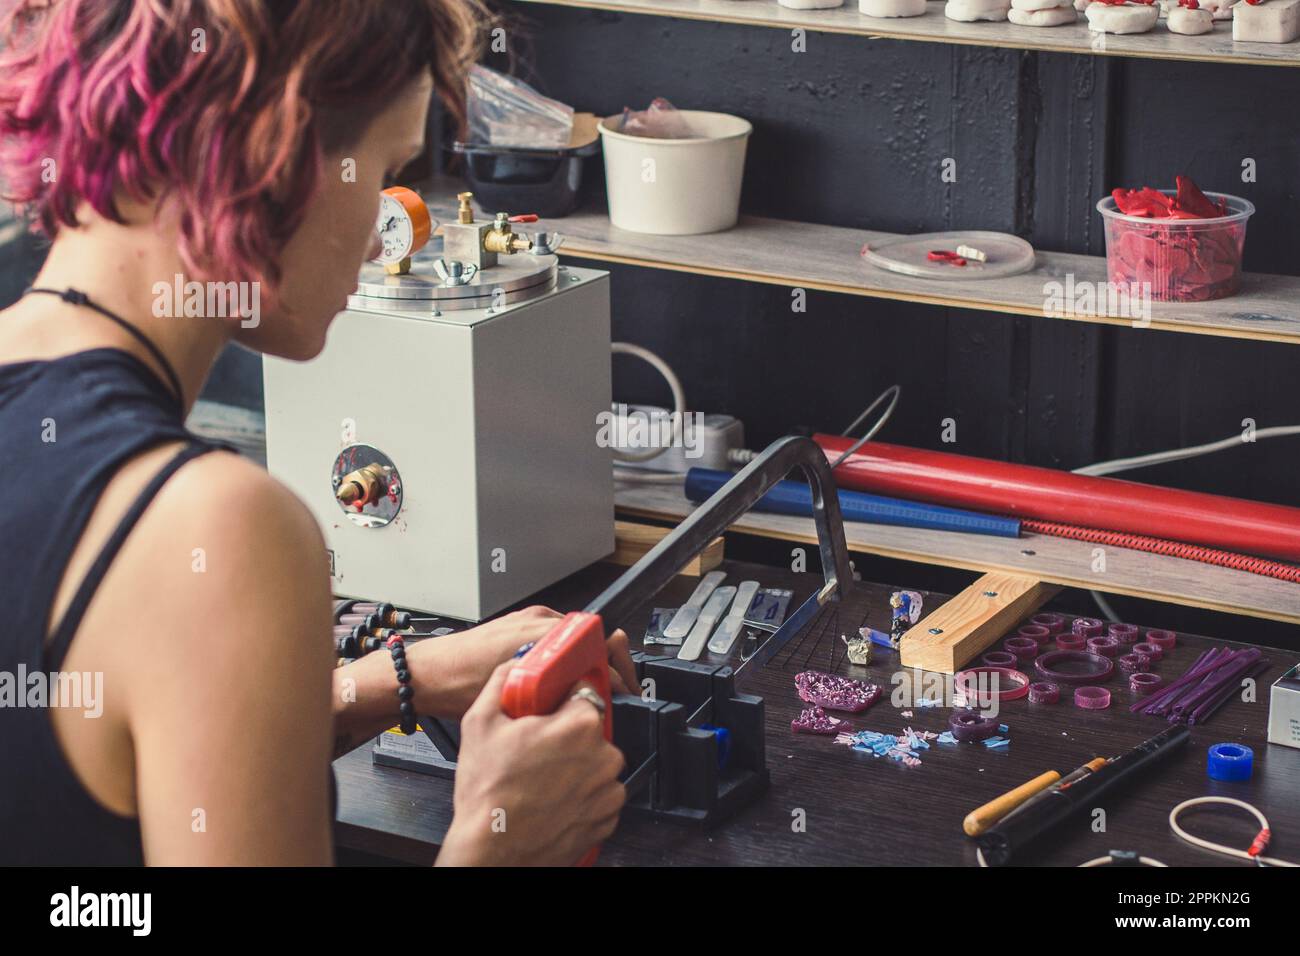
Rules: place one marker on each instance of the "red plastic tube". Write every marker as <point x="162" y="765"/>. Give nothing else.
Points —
<point x="1025" y="491"/>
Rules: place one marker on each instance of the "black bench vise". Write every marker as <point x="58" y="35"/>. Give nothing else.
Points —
<point x="690" y="774"/>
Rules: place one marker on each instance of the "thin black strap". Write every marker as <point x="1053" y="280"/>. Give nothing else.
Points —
<point x="57" y="648"/>
<point x="77" y="297"/>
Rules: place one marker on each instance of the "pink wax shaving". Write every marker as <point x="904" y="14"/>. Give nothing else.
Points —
<point x="814" y="720"/>
<point x="836" y="693"/>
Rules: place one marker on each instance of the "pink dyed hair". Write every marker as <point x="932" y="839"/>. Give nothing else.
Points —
<point x="118" y="96"/>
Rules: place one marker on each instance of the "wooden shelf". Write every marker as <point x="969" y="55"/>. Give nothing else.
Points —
<point x="809" y="256"/>
<point x="1052" y="560"/>
<point x="934" y="27"/>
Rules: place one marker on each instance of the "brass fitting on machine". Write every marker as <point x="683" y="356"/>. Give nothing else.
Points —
<point x="362" y="486"/>
<point x="502" y="240"/>
<point x="479" y="243"/>
<point x="464" y="214"/>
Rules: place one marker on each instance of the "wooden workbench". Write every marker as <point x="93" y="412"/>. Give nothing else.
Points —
<point x="873" y="811"/>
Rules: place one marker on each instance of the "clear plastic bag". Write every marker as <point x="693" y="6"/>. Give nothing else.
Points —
<point x="505" y="111"/>
<point x="660" y="120"/>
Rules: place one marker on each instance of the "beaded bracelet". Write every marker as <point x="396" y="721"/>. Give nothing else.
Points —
<point x="405" y="693"/>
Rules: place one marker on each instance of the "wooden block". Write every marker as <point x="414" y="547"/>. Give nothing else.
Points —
<point x="948" y="638"/>
<point x="632" y="541"/>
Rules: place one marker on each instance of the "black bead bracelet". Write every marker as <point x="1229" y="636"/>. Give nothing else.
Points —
<point x="405" y="692"/>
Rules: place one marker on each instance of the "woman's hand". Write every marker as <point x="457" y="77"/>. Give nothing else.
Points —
<point x="467" y="659"/>
<point x="533" y="791"/>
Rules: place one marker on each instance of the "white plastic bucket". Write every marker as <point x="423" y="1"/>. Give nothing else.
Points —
<point x="677" y="187"/>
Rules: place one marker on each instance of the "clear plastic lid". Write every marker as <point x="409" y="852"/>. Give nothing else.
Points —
<point x="1006" y="255"/>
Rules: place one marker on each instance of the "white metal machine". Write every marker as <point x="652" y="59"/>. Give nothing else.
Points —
<point x="446" y="437"/>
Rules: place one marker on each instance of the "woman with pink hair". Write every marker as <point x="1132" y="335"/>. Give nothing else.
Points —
<point x="227" y="141"/>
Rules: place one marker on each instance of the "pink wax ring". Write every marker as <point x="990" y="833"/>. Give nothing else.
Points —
<point x="1035" y="631"/>
<point x="1070" y="642"/>
<point x="1143" y="684"/>
<point x="967" y="689"/>
<point x="1055" y="623"/>
<point x="1000" y="659"/>
<point x="1152" y="651"/>
<point x="1044" y="692"/>
<point x="814" y="720"/>
<point x="1103" y="645"/>
<point x="968" y="726"/>
<point x="1133" y="663"/>
<point x="1087" y="626"/>
<point x="1092" y="698"/>
<point x="1025" y="648"/>
<point x="1124" y="633"/>
<point x="1098" y="668"/>
<point x="835" y="693"/>
<point x="1165" y="640"/>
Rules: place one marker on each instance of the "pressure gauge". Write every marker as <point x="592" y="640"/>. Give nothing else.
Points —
<point x="404" y="224"/>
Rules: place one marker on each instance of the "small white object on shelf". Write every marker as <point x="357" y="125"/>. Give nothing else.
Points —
<point x="969" y="11"/>
<point x="891" y="8"/>
<point x="810" y="4"/>
<point x="1043" y="16"/>
<point x="1273" y="21"/>
<point x="1126" y="18"/>
<point x="1190" y="22"/>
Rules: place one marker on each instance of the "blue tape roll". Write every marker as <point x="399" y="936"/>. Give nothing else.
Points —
<point x="795" y="498"/>
<point x="1230" y="762"/>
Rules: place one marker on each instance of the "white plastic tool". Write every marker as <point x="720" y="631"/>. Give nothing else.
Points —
<point x="713" y="610"/>
<point x="729" y="629"/>
<point x="685" y="617"/>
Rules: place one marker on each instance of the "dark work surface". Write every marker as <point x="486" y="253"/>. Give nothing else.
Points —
<point x="872" y="811"/>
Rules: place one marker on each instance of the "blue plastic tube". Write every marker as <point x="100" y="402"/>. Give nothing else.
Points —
<point x="795" y="498"/>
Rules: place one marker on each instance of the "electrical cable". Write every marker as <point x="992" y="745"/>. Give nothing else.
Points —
<point x="679" y="400"/>
<point x="743" y="456"/>
<point x="1180" y="454"/>
<point x="1255" y="854"/>
<point x="1108" y="861"/>
<point x="649" y="477"/>
<point x="895" y="391"/>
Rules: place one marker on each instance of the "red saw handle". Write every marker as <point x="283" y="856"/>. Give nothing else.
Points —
<point x="572" y="651"/>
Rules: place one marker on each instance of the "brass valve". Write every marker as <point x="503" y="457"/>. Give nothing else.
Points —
<point x="464" y="214"/>
<point x="478" y="244"/>
<point x="362" y="486"/>
<point x="502" y="240"/>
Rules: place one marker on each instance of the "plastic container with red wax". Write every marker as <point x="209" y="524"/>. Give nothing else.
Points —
<point x="1183" y="245"/>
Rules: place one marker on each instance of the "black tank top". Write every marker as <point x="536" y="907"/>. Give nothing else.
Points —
<point x="68" y="425"/>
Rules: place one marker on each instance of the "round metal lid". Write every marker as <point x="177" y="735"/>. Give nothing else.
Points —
<point x="513" y="279"/>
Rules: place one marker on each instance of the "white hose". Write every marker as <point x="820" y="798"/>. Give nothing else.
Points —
<point x="1219" y="847"/>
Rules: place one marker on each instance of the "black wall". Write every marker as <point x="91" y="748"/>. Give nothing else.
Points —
<point x="854" y="132"/>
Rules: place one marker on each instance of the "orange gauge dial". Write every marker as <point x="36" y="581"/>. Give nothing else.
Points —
<point x="404" y="224"/>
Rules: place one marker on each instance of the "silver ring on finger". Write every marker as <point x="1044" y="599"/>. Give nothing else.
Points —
<point x="591" y="697"/>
